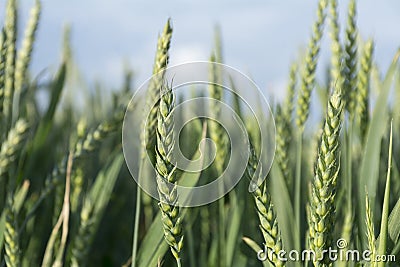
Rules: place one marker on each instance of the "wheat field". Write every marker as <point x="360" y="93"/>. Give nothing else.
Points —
<point x="67" y="197"/>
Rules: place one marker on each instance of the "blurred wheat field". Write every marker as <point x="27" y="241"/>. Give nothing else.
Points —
<point x="67" y="197"/>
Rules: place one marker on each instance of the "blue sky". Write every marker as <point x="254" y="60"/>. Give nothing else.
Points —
<point x="260" y="38"/>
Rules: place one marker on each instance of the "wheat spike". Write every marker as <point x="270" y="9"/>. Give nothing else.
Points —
<point x="25" y="52"/>
<point x="322" y="202"/>
<point x="12" y="255"/>
<point x="10" y="28"/>
<point x="166" y="172"/>
<point x="266" y="213"/>
<point x="362" y="96"/>
<point x="308" y="74"/>
<point x="350" y="60"/>
<point x="149" y="136"/>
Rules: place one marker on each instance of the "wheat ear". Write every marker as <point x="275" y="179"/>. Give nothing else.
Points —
<point x="336" y="46"/>
<point x="308" y="74"/>
<point x="350" y="60"/>
<point x="362" y="95"/>
<point x="266" y="214"/>
<point x="12" y="255"/>
<point x="10" y="28"/>
<point x="160" y="64"/>
<point x="322" y="202"/>
<point x="166" y="173"/>
<point x="24" y="54"/>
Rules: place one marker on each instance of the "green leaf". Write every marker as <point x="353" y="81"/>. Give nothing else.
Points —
<point x="282" y="203"/>
<point x="394" y="226"/>
<point x="385" y="209"/>
<point x="255" y="247"/>
<point x="103" y="186"/>
<point x="233" y="226"/>
<point x="47" y="121"/>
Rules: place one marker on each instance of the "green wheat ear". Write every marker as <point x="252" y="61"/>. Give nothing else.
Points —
<point x="370" y="230"/>
<point x="217" y="133"/>
<point x="284" y="127"/>
<point x="3" y="52"/>
<point x="336" y="46"/>
<point x="149" y="136"/>
<point x="350" y="60"/>
<point x="266" y="213"/>
<point x="283" y="138"/>
<point x="24" y="54"/>
<point x="362" y="91"/>
<point x="166" y="173"/>
<point x="12" y="145"/>
<point x="12" y="255"/>
<point x="10" y="29"/>
<point x="308" y="74"/>
<point x="323" y="192"/>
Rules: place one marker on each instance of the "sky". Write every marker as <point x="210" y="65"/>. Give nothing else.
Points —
<point x="260" y="38"/>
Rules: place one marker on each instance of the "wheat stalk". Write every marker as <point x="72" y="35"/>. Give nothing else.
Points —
<point x="283" y="138"/>
<point x="166" y="173"/>
<point x="336" y="46"/>
<point x="308" y="74"/>
<point x="12" y="145"/>
<point x="350" y="60"/>
<point x="12" y="255"/>
<point x="266" y="213"/>
<point x="160" y="64"/>
<point x="3" y="53"/>
<point x="25" y="52"/>
<point x="362" y="94"/>
<point x="322" y="202"/>
<point x="10" y="28"/>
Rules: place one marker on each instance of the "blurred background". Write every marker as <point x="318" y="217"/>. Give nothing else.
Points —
<point x="260" y="38"/>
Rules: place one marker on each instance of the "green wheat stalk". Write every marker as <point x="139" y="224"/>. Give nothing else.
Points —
<point x="362" y="91"/>
<point x="303" y="105"/>
<point x="12" y="146"/>
<point x="322" y="202"/>
<point x="336" y="46"/>
<point x="283" y="138"/>
<point x="10" y="28"/>
<point x="216" y="132"/>
<point x="166" y="173"/>
<point x="218" y="136"/>
<point x="25" y="52"/>
<point x="311" y="60"/>
<point x="160" y="64"/>
<point x="11" y="237"/>
<point x="350" y="59"/>
<point x="3" y="53"/>
<point x="266" y="213"/>
<point x="284" y="128"/>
